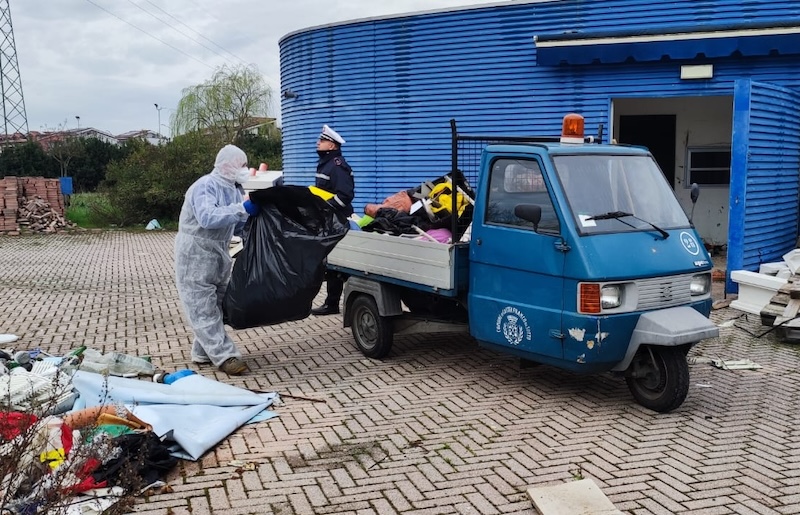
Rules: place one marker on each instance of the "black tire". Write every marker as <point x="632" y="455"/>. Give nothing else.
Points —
<point x="372" y="332"/>
<point x="659" y="378"/>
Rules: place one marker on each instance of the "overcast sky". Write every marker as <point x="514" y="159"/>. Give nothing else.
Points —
<point x="110" y="61"/>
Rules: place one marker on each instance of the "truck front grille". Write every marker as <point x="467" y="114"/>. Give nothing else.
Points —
<point x="663" y="292"/>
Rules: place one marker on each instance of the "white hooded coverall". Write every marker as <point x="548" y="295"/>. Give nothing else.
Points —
<point x="212" y="210"/>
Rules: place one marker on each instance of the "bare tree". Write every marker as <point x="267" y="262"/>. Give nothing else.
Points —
<point x="63" y="146"/>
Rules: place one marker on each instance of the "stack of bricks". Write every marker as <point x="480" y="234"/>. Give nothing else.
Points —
<point x="14" y="190"/>
<point x="9" y="203"/>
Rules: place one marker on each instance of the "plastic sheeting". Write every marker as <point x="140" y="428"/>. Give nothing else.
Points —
<point x="281" y="267"/>
<point x="195" y="412"/>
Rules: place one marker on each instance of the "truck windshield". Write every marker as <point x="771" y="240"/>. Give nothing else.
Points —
<point x="596" y="185"/>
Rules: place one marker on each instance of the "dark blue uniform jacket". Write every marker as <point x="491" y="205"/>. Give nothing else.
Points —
<point x="335" y="176"/>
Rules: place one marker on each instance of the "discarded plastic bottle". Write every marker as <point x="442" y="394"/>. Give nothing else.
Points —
<point x="174" y="376"/>
<point x="78" y="352"/>
<point x="115" y="363"/>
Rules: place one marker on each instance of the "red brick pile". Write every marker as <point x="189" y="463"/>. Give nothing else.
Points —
<point x="27" y="192"/>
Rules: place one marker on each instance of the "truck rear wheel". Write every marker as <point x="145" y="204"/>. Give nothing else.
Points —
<point x="372" y="332"/>
<point x="658" y="378"/>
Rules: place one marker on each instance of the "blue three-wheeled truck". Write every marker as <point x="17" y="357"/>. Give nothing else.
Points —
<point x="578" y="256"/>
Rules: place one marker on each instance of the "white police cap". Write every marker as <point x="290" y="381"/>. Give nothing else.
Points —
<point x="331" y="135"/>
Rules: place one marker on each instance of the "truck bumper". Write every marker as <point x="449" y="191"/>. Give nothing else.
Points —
<point x="669" y="328"/>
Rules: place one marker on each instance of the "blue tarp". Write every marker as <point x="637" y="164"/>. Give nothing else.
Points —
<point x="195" y="412"/>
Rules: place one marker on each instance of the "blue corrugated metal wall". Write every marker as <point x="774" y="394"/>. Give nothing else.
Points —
<point x="390" y="86"/>
<point x="764" y="182"/>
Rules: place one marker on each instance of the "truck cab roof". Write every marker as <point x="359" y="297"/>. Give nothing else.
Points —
<point x="555" y="148"/>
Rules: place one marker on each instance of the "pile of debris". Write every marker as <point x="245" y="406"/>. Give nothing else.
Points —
<point x="782" y="311"/>
<point x="32" y="203"/>
<point x="37" y="215"/>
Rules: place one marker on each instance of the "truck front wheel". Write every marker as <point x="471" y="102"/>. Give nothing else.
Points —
<point x="372" y="332"/>
<point x="658" y="377"/>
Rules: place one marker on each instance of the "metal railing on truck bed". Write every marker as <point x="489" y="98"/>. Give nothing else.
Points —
<point x="466" y="163"/>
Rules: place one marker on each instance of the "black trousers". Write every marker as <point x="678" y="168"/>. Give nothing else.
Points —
<point x="335" y="285"/>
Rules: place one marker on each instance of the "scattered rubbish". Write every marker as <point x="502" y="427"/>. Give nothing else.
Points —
<point x="792" y="259"/>
<point x="96" y="501"/>
<point x="742" y="364"/>
<point x="115" y="364"/>
<point x="153" y="225"/>
<point x="703" y="385"/>
<point x="156" y="487"/>
<point x="8" y="338"/>
<point x="727" y="323"/>
<point x="243" y="465"/>
<point x="724" y="303"/>
<point x="581" y="496"/>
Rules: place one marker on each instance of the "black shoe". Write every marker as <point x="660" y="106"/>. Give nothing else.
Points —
<point x="325" y="310"/>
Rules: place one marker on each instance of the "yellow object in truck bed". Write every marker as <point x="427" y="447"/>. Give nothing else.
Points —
<point x="324" y="195"/>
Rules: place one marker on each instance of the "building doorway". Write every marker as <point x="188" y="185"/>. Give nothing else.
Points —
<point x="657" y="133"/>
<point x="690" y="138"/>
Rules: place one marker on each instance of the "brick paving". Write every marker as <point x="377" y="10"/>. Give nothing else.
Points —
<point x="439" y="427"/>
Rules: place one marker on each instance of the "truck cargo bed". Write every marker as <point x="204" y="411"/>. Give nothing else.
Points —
<point x="409" y="262"/>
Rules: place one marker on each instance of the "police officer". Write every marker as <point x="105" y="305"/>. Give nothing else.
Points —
<point x="335" y="176"/>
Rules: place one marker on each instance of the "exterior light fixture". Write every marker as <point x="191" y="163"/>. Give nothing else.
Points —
<point x="697" y="71"/>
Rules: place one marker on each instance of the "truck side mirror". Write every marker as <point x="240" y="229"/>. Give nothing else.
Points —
<point x="694" y="195"/>
<point x="529" y="212"/>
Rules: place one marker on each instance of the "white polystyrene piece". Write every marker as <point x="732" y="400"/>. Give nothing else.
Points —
<point x="792" y="258"/>
<point x="755" y="290"/>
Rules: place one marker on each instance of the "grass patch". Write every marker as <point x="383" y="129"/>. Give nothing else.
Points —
<point x="79" y="209"/>
<point x="92" y="211"/>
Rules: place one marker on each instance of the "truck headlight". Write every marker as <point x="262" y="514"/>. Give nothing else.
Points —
<point x="700" y="285"/>
<point x="611" y="296"/>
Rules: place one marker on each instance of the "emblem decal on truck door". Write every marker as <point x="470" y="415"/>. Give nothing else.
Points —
<point x="514" y="325"/>
<point x="690" y="244"/>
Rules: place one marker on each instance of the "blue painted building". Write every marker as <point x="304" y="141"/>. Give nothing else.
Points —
<point x="712" y="87"/>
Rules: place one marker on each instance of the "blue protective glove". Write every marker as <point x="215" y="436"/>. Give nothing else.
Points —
<point x="251" y="208"/>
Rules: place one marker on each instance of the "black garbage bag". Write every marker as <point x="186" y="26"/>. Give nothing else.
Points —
<point x="282" y="263"/>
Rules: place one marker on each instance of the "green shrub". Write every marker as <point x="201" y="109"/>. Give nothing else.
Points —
<point x="261" y="150"/>
<point x="152" y="180"/>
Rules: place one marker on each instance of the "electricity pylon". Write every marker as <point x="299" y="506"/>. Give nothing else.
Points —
<point x="14" y="117"/>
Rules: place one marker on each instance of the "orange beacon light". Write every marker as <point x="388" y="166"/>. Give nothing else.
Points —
<point x="572" y="129"/>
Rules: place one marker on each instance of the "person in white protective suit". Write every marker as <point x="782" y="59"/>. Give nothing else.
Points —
<point x="213" y="209"/>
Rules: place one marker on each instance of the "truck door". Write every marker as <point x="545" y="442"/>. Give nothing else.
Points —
<point x="516" y="269"/>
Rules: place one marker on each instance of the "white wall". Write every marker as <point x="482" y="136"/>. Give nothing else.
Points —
<point x="699" y="121"/>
